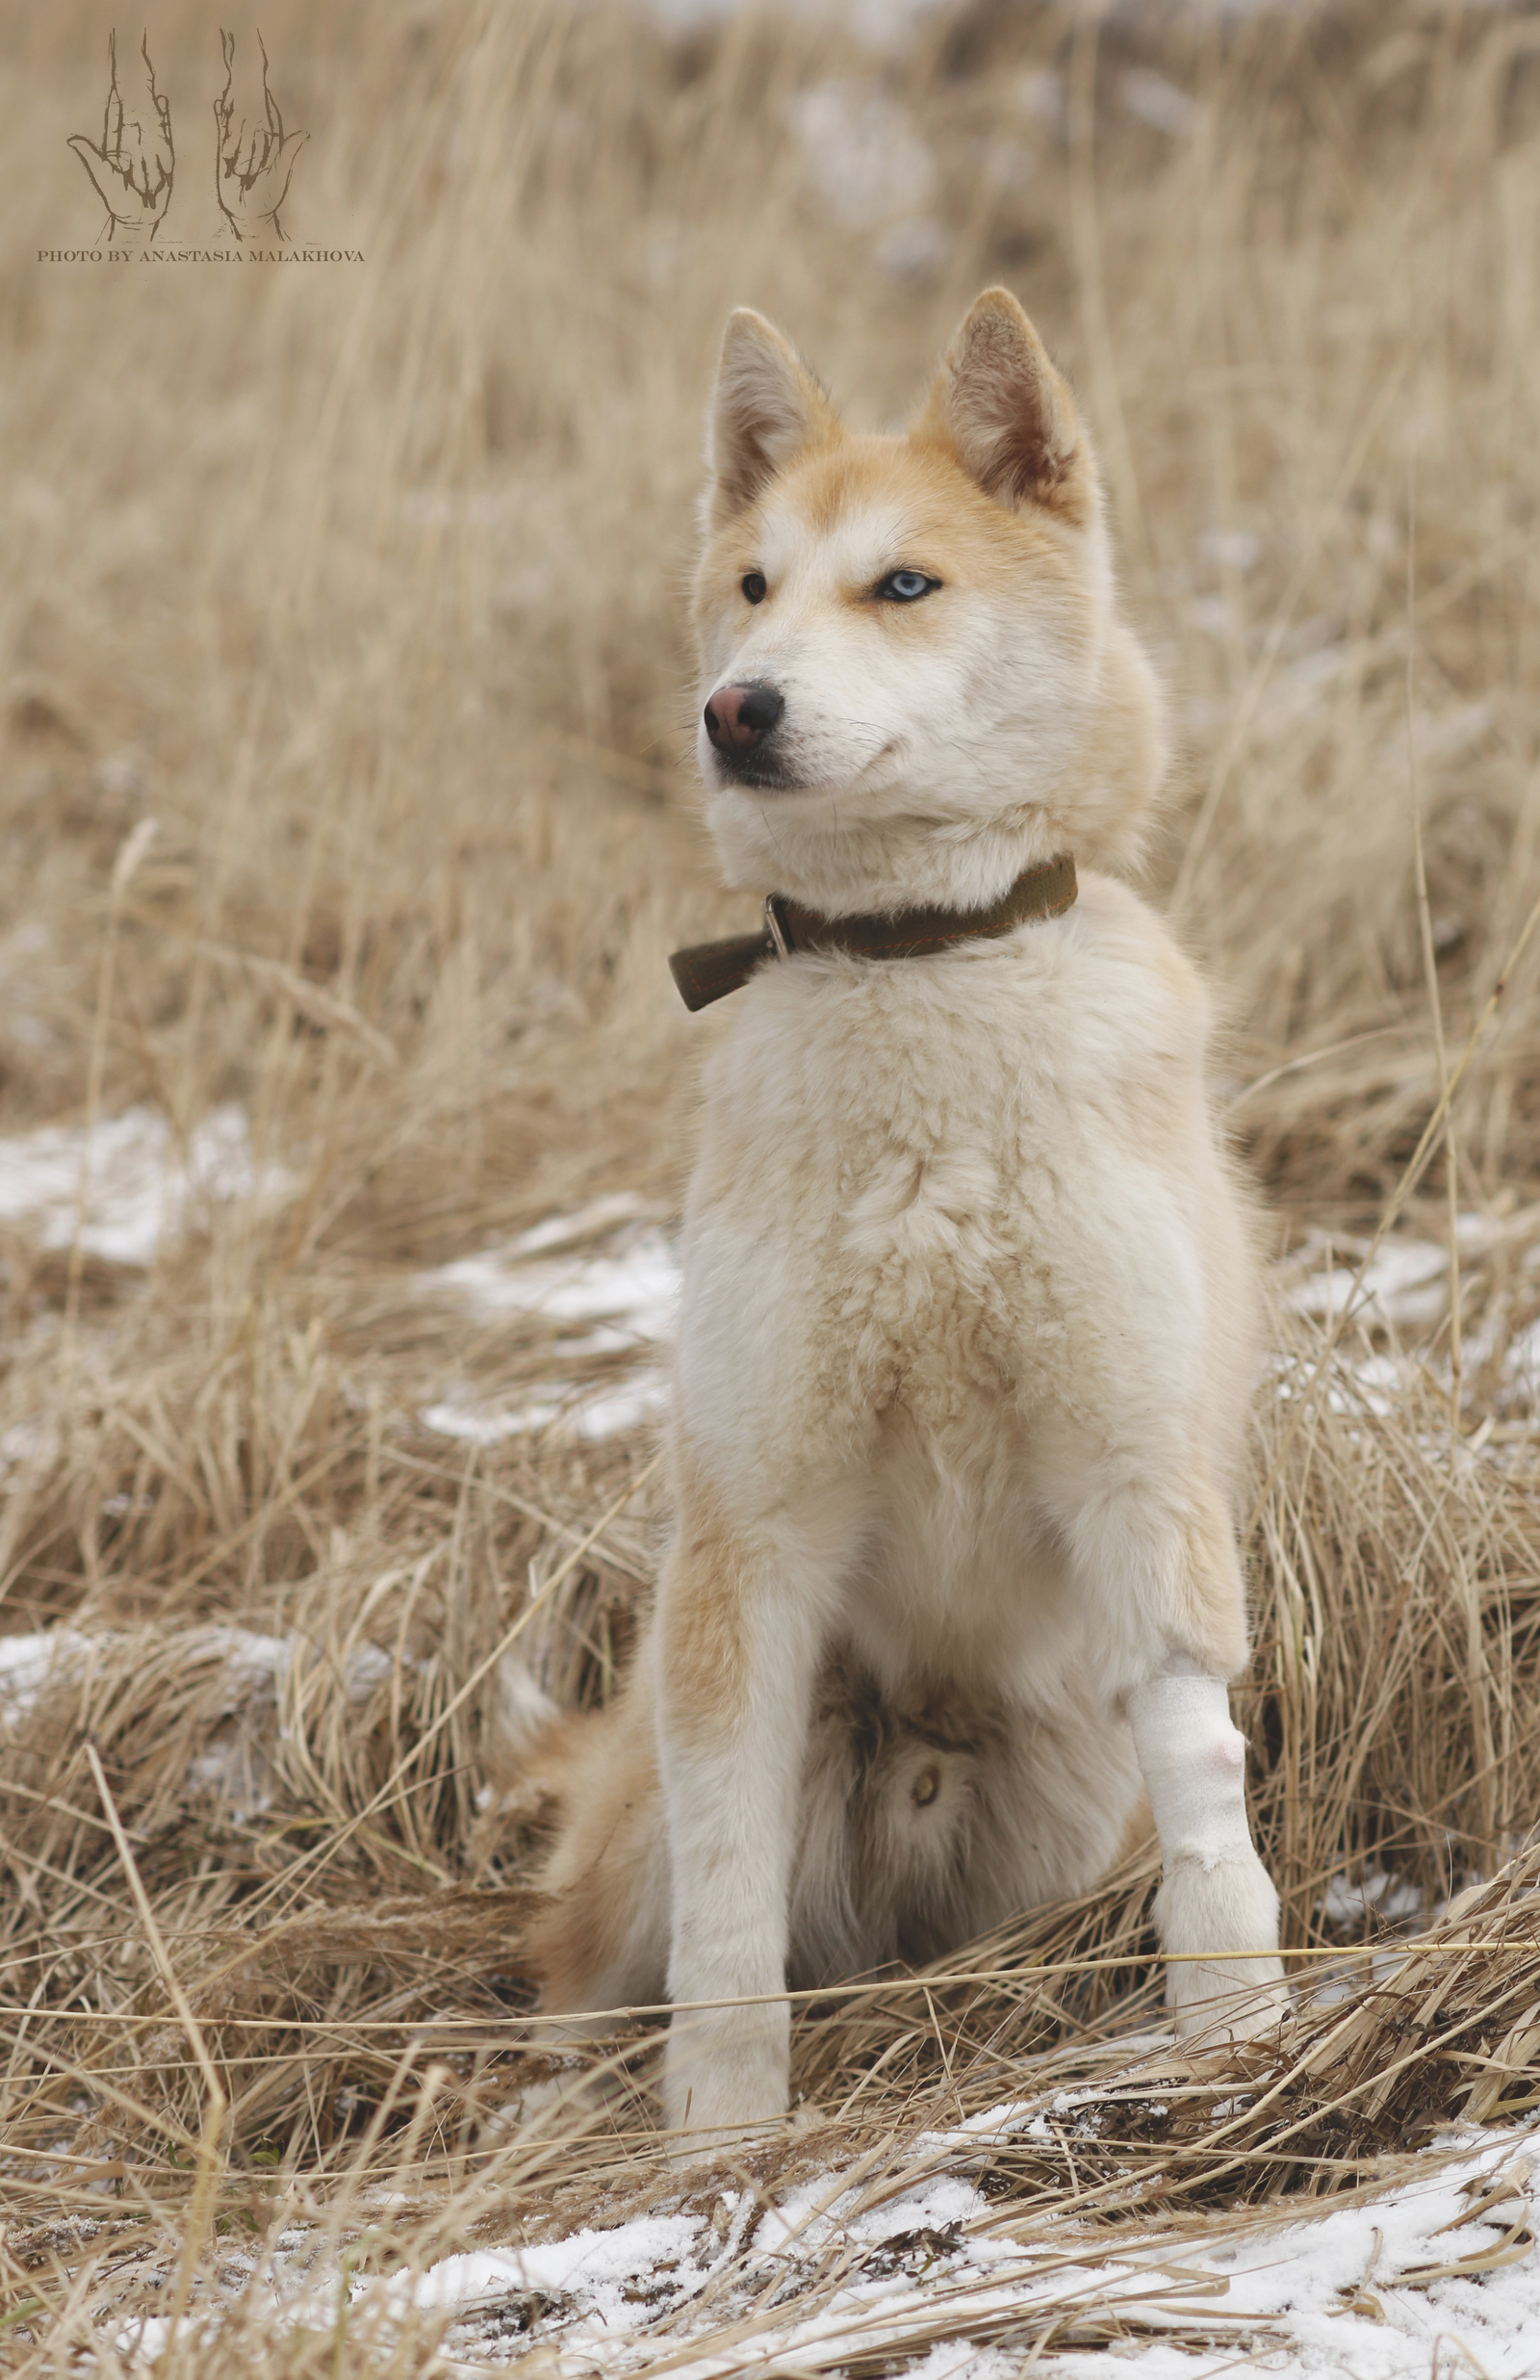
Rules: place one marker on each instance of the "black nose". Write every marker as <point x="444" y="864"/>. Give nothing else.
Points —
<point x="737" y="717"/>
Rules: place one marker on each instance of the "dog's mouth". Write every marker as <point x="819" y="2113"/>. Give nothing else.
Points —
<point x="765" y="770"/>
<point x="762" y="772"/>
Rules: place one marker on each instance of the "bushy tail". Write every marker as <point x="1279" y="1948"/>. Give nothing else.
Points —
<point x="519" y="1713"/>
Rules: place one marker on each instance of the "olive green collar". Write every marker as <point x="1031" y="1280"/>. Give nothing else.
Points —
<point x="710" y="971"/>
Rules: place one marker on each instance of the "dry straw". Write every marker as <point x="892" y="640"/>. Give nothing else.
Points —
<point x="364" y="583"/>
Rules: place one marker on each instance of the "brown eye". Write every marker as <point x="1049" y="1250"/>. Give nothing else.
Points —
<point x="925" y="1788"/>
<point x="754" y="586"/>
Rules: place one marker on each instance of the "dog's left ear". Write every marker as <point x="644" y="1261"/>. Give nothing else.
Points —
<point x="1008" y="416"/>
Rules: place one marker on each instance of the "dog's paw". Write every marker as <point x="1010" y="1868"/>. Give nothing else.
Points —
<point x="726" y="2074"/>
<point x="1219" y="1927"/>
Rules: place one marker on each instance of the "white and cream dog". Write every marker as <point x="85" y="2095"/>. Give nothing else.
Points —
<point x="968" y="1320"/>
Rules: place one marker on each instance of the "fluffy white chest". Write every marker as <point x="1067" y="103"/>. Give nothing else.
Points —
<point x="939" y="1200"/>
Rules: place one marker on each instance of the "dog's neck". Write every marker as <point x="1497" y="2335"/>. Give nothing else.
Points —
<point x="842" y="866"/>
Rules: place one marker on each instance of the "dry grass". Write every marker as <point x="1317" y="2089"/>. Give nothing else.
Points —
<point x="364" y="583"/>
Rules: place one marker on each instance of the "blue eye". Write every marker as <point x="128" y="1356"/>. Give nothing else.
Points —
<point x="905" y="587"/>
<point x="754" y="586"/>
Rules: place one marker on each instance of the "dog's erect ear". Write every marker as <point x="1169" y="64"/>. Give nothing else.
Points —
<point x="765" y="408"/>
<point x="999" y="402"/>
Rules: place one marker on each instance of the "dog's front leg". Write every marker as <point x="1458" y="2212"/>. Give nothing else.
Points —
<point x="1216" y="1897"/>
<point x="741" y="1613"/>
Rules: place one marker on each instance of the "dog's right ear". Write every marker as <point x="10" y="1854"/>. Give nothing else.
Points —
<point x="766" y="408"/>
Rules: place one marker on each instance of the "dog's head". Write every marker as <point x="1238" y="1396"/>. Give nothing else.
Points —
<point x="915" y="680"/>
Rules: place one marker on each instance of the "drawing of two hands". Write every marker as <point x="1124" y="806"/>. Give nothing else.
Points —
<point x="133" y="168"/>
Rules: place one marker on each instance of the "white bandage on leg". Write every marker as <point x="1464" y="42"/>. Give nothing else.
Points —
<point x="1194" y="1763"/>
<point x="1216" y="1911"/>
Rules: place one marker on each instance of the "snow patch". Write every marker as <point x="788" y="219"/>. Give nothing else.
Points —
<point x="252" y="1664"/>
<point x="926" y="2276"/>
<point x="140" y="1186"/>
<point x="630" y="1295"/>
<point x="590" y="2268"/>
<point x="1406" y="1283"/>
<point x="1391" y="1900"/>
<point x="27" y="1666"/>
<point x="642" y="1397"/>
<point x="626" y="1291"/>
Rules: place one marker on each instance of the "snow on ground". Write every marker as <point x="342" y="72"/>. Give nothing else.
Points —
<point x="923" y="2266"/>
<point x="1405" y="1294"/>
<point x="27" y="1666"/>
<point x="233" y="1763"/>
<point x="1374" y="2288"/>
<point x="1388" y="1900"/>
<point x="1365" y="2288"/>
<point x="252" y="1664"/>
<point x="587" y="1414"/>
<point x="1406" y="1282"/>
<point x="625" y="1288"/>
<point x="130" y="1185"/>
<point x="606" y="1274"/>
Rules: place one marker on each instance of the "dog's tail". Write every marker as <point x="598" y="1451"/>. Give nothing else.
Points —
<point x="519" y="1717"/>
<point x="521" y="1710"/>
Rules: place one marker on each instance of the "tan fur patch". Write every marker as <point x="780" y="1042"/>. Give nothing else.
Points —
<point x="700" y="1618"/>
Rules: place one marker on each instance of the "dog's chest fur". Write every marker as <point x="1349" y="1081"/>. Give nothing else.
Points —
<point x="856" y="1217"/>
<point x="931" y="1196"/>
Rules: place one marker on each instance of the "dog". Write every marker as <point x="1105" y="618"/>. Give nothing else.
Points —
<point x="969" y="1321"/>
